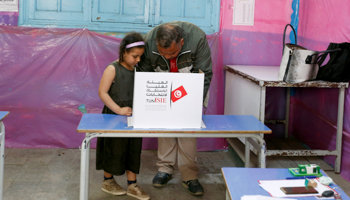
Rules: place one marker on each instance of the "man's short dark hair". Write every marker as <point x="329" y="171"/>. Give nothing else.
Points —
<point x="167" y="34"/>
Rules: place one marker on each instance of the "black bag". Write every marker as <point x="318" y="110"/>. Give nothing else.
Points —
<point x="338" y="67"/>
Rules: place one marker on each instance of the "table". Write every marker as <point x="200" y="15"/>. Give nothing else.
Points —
<point x="217" y="126"/>
<point x="3" y="114"/>
<point x="245" y="93"/>
<point x="244" y="181"/>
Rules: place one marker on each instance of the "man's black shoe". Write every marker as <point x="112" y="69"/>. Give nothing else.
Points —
<point x="194" y="187"/>
<point x="161" y="179"/>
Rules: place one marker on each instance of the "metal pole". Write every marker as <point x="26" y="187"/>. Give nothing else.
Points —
<point x="247" y="153"/>
<point x="2" y="162"/>
<point x="339" y="130"/>
<point x="84" y="168"/>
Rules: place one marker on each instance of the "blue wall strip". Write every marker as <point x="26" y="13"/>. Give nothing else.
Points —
<point x="294" y="22"/>
<point x="294" y="19"/>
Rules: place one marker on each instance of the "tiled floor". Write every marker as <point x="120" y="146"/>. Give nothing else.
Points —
<point x="53" y="174"/>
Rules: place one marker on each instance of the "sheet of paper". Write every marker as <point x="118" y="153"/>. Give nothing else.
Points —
<point x="322" y="198"/>
<point x="203" y="125"/>
<point x="9" y="6"/>
<point x="274" y="187"/>
<point x="260" y="197"/>
<point x="130" y="121"/>
<point x="243" y="12"/>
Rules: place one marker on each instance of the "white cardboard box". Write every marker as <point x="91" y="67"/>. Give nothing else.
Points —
<point x="168" y="100"/>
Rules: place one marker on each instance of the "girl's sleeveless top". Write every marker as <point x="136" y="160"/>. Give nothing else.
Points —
<point x="122" y="88"/>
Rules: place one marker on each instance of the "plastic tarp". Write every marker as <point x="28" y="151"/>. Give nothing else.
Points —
<point x="9" y="18"/>
<point x="259" y="45"/>
<point x="47" y="73"/>
<point x="313" y="112"/>
<point x="322" y="22"/>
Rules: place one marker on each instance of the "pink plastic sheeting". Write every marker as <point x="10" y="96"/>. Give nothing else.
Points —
<point x="322" y="22"/>
<point x="47" y="73"/>
<point x="260" y="45"/>
<point x="9" y="18"/>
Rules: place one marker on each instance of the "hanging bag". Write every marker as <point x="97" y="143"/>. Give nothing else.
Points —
<point x="293" y="68"/>
<point x="337" y="68"/>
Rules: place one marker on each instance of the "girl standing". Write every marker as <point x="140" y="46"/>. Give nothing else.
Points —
<point x="116" y="156"/>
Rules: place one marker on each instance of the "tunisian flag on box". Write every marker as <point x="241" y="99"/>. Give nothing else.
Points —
<point x="178" y="93"/>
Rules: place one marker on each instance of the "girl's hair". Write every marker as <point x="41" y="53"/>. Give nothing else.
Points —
<point x="129" y="39"/>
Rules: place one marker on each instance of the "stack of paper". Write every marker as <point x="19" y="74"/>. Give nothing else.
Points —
<point x="260" y="197"/>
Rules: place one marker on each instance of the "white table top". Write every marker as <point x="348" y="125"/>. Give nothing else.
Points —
<point x="265" y="73"/>
<point x="267" y="76"/>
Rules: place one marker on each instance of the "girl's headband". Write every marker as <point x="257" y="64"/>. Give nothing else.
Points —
<point x="135" y="44"/>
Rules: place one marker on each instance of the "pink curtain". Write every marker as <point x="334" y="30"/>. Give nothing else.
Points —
<point x="47" y="73"/>
<point x="9" y="18"/>
<point x="260" y="45"/>
<point x="322" y="22"/>
<point x="313" y="112"/>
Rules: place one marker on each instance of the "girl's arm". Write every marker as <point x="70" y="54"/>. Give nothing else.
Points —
<point x="105" y="84"/>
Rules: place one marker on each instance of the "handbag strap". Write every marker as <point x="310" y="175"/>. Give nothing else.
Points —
<point x="284" y="36"/>
<point x="323" y="56"/>
<point x="324" y="53"/>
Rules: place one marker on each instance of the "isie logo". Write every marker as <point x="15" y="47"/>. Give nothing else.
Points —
<point x="178" y="93"/>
